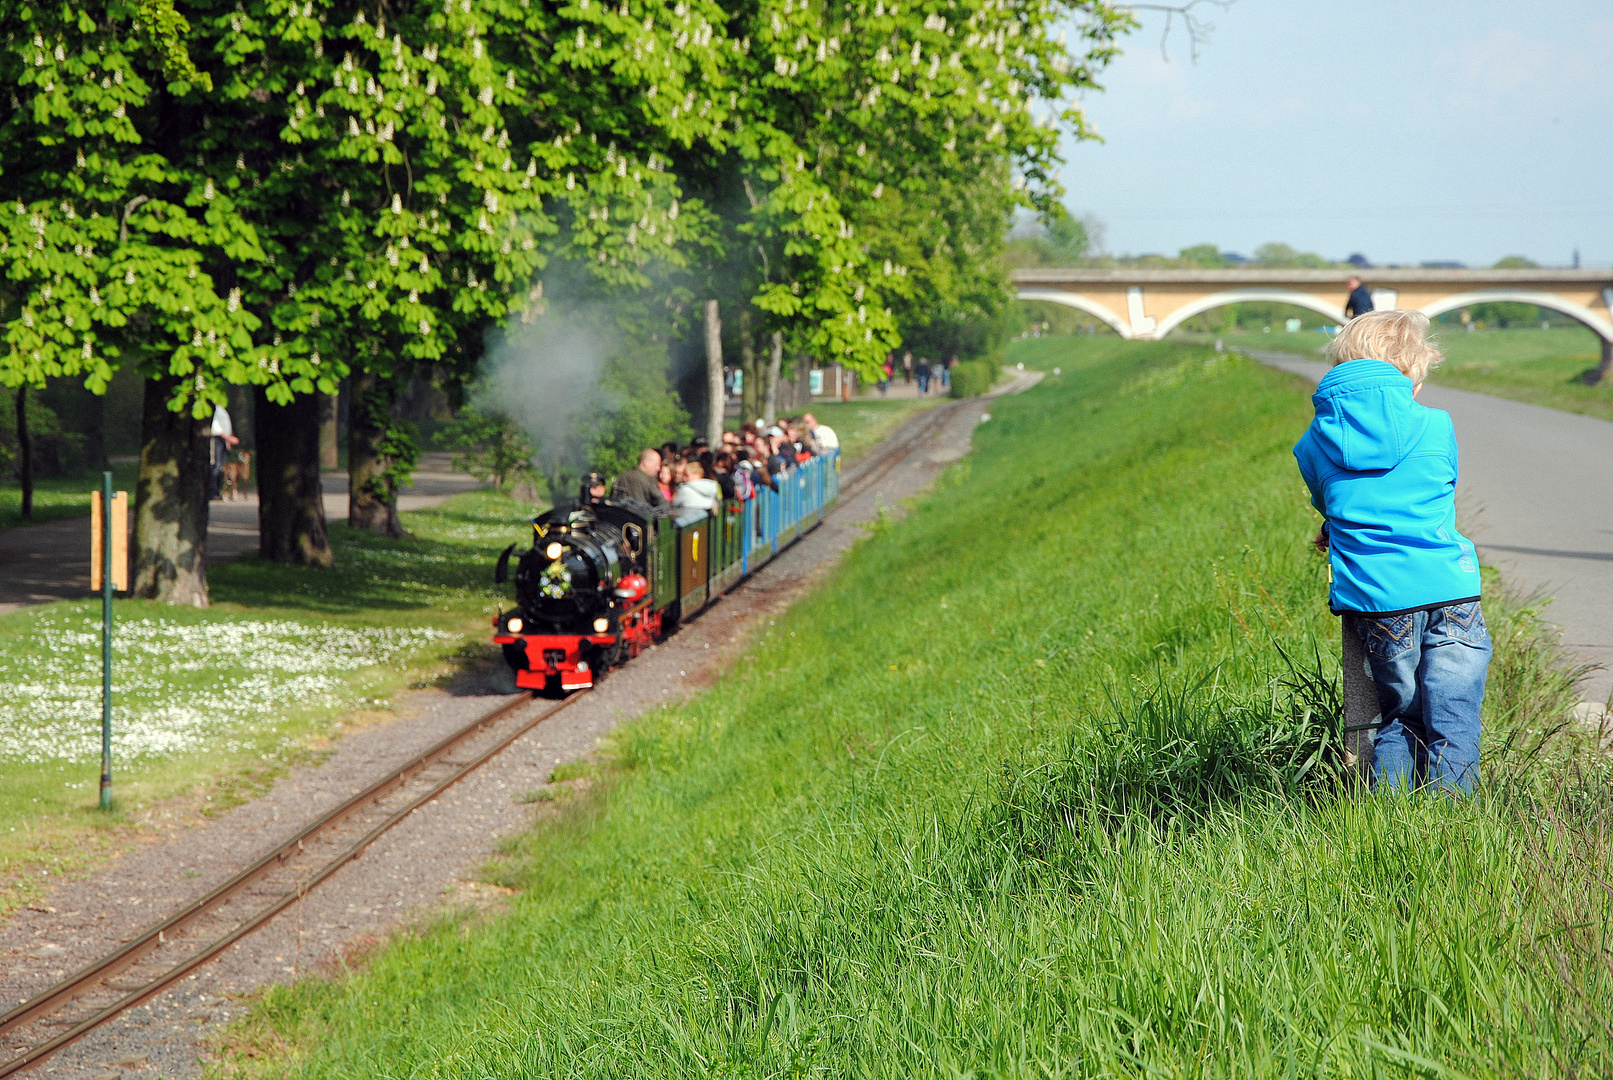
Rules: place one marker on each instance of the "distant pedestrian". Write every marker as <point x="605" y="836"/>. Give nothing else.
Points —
<point x="924" y="377"/>
<point x="1381" y="468"/>
<point x="1360" y="301"/>
<point x="946" y="372"/>
<point x="222" y="439"/>
<point x="907" y="367"/>
<point x="885" y="371"/>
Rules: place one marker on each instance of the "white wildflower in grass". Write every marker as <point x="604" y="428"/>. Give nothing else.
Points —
<point x="179" y="687"/>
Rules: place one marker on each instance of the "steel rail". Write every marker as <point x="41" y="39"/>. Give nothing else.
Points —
<point x="102" y="970"/>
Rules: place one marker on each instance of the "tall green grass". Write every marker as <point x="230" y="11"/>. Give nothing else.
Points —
<point x="1039" y="785"/>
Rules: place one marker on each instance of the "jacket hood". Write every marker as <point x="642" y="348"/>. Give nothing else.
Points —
<point x="1366" y="417"/>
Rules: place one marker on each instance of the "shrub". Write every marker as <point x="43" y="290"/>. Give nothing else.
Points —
<point x="971" y="378"/>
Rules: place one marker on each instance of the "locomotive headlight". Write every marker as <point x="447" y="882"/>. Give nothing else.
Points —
<point x="601" y="625"/>
<point x="514" y="625"/>
<point x="553" y="550"/>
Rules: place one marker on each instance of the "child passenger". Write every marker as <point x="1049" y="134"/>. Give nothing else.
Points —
<point x="1382" y="470"/>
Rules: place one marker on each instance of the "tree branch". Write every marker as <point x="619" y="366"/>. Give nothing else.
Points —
<point x="1198" y="31"/>
<point x="133" y="205"/>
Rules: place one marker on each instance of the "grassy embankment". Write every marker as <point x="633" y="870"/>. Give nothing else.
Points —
<point x="1027" y="790"/>
<point x="213" y="704"/>
<point x="1545" y="367"/>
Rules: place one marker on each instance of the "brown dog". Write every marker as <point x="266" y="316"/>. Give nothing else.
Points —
<point x="237" y="474"/>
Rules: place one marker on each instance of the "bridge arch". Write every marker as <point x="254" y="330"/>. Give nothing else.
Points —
<point x="1075" y="300"/>
<point x="1240" y="296"/>
<point x="1600" y="325"/>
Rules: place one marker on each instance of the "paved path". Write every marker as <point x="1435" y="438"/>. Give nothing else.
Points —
<point x="1536" y="496"/>
<point x="41" y="563"/>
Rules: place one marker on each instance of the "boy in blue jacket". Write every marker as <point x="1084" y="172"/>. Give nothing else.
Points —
<point x="1382" y="470"/>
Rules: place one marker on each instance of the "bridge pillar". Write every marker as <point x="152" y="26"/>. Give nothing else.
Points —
<point x="1605" y="368"/>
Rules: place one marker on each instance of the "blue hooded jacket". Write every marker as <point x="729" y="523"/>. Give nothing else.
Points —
<point x="1382" y="469"/>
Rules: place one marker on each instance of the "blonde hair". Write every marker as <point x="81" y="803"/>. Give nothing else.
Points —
<point x="1396" y="337"/>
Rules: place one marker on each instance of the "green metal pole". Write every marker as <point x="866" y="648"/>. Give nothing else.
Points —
<point x="106" y="641"/>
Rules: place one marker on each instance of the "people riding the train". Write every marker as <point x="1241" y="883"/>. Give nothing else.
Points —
<point x="639" y="483"/>
<point x="698" y="492"/>
<point x="592" y="490"/>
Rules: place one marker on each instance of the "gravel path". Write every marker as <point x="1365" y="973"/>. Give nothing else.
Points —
<point x="428" y="862"/>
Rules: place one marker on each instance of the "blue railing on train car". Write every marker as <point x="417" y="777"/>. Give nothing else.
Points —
<point x="802" y="493"/>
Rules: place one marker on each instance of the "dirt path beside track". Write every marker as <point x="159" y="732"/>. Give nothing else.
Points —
<point x="429" y="861"/>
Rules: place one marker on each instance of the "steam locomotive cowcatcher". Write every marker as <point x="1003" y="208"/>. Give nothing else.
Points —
<point x="602" y="583"/>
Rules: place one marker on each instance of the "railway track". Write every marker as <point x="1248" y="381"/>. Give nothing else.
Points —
<point x="168" y="951"/>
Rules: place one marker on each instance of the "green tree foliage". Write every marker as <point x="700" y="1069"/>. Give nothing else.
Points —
<point x="1287" y="257"/>
<point x="1207" y="256"/>
<point x="283" y="193"/>
<point x="490" y="446"/>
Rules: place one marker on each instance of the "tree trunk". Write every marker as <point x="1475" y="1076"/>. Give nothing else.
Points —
<point x="750" y="389"/>
<point x="775" y="364"/>
<point x="372" y="497"/>
<point x="291" y="507"/>
<point x="25" y="453"/>
<point x="1605" y="368"/>
<point x="170" y="501"/>
<point x="328" y="456"/>
<point x="716" y="402"/>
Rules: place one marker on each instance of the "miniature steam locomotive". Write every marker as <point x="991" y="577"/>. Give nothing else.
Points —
<point x="603" y="582"/>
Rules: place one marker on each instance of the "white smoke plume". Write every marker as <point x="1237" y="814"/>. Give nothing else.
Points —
<point x="545" y="375"/>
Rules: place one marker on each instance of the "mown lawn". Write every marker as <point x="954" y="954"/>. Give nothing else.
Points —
<point x="217" y="702"/>
<point x="1030" y="790"/>
<point x="59" y="497"/>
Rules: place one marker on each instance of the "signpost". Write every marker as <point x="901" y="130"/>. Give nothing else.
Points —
<point x="109" y="570"/>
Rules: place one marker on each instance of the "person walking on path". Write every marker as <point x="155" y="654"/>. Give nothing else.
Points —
<point x="1360" y="301"/>
<point x="924" y="377"/>
<point x="222" y="439"/>
<point x="907" y="367"/>
<point x="1382" y="470"/>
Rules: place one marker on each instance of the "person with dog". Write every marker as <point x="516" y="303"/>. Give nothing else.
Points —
<point x="221" y="440"/>
<point x="1382" y="469"/>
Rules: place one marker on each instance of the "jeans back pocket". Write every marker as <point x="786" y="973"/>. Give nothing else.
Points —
<point x="1464" y="623"/>
<point x="1389" y="637"/>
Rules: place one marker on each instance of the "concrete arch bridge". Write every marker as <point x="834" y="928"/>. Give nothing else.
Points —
<point x="1148" y="304"/>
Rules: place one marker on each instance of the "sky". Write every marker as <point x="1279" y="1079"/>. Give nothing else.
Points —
<point x="1409" y="131"/>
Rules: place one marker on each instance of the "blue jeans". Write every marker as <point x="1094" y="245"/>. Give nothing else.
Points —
<point x="1429" y="668"/>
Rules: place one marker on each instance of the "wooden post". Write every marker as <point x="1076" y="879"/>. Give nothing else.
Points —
<point x="1361" y="711"/>
<point x="109" y="571"/>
